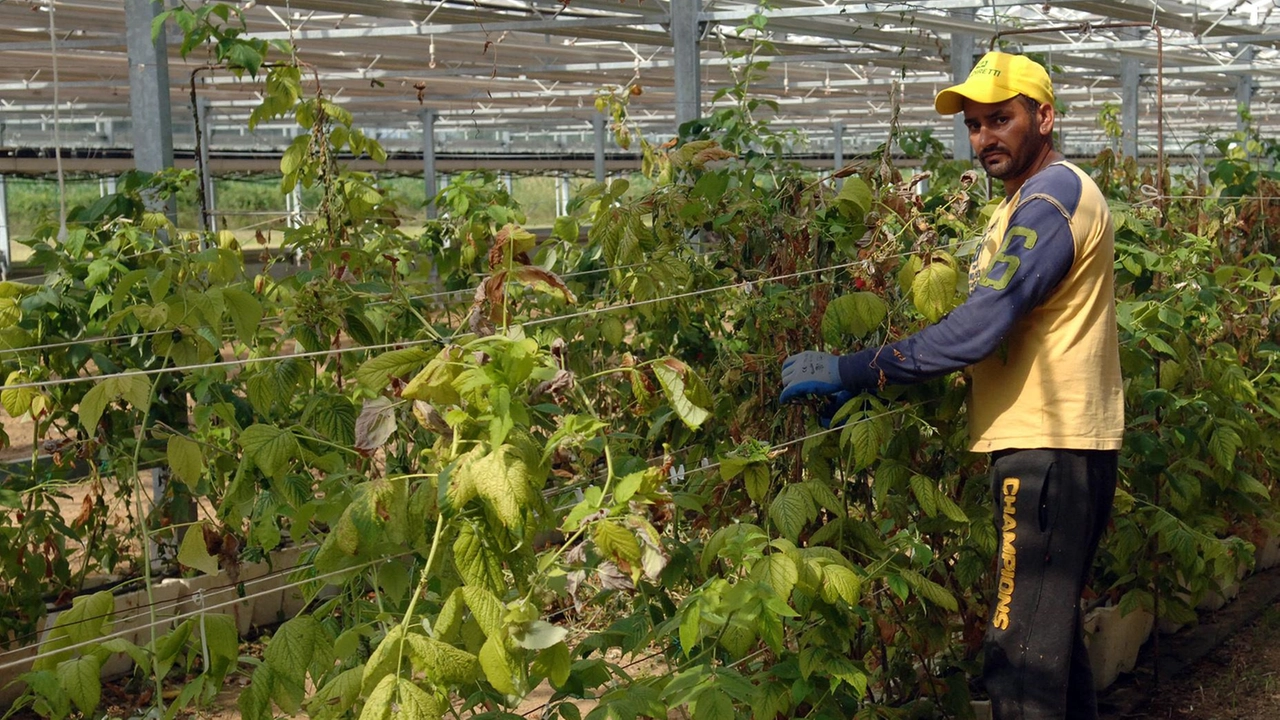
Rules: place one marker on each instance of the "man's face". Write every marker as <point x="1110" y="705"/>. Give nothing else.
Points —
<point x="1008" y="137"/>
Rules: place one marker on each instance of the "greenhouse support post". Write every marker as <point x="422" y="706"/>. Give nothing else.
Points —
<point x="4" y="229"/>
<point x="1130" y="77"/>
<point x="149" y="95"/>
<point x="962" y="49"/>
<point x="428" y="118"/>
<point x="685" y="32"/>
<point x="837" y="148"/>
<point x="1244" y="89"/>
<point x="598" y="124"/>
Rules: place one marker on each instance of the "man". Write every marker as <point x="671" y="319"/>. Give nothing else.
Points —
<point x="1038" y="331"/>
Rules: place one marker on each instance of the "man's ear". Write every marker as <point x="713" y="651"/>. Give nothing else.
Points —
<point x="1045" y="115"/>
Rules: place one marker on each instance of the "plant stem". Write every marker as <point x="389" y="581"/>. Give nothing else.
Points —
<point x="145" y="540"/>
<point x="422" y="586"/>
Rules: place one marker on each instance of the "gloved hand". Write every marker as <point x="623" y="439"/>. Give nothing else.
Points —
<point x="811" y="372"/>
<point x="831" y="407"/>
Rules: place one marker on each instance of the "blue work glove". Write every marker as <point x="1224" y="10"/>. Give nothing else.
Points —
<point x="831" y="407"/>
<point x="811" y="372"/>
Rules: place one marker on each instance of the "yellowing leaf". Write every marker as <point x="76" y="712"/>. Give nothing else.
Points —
<point x="673" y="376"/>
<point x="193" y="552"/>
<point x="778" y="571"/>
<point x="616" y="542"/>
<point x="934" y="289"/>
<point x="443" y="664"/>
<point x="854" y="315"/>
<point x="435" y="383"/>
<point x="79" y="679"/>
<point x="839" y="582"/>
<point x="499" y="668"/>
<point x="502" y="479"/>
<point x="542" y="281"/>
<point x="186" y="459"/>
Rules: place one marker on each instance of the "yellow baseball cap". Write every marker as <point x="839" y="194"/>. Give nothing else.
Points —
<point x="998" y="77"/>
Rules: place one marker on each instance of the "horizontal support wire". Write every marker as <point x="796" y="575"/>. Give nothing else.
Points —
<point x="404" y="344"/>
<point x="184" y="616"/>
<point x="147" y="609"/>
<point x="559" y="491"/>
<point x="268" y="322"/>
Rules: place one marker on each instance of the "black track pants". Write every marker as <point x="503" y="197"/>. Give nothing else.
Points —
<point x="1051" y="507"/>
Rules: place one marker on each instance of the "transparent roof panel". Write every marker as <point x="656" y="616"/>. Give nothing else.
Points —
<point x="521" y="76"/>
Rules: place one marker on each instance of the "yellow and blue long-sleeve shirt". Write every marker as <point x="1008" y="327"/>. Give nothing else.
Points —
<point x="1038" y="329"/>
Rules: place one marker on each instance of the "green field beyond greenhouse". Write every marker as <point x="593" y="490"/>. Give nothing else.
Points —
<point x="500" y="439"/>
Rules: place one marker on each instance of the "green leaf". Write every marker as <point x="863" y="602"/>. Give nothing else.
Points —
<point x="934" y="289"/>
<point x="854" y="200"/>
<point x="501" y="478"/>
<point x="926" y="493"/>
<point x="186" y="459"/>
<point x="135" y="389"/>
<point x="554" y="663"/>
<point x="270" y="448"/>
<point x="476" y="563"/>
<point x="151" y="318"/>
<point x="853" y="316"/>
<point x="566" y="228"/>
<point x="756" y="476"/>
<point x="193" y="552"/>
<point x="864" y="437"/>
<point x="339" y="694"/>
<point x="378" y="706"/>
<point x="672" y="375"/>
<point x="779" y="571"/>
<point x="691" y="626"/>
<point x="276" y="383"/>
<point x="223" y="641"/>
<point x="333" y="417"/>
<point x="713" y="704"/>
<point x="414" y="703"/>
<point x="246" y="313"/>
<point x="1223" y="446"/>
<point x="499" y="668"/>
<point x="79" y="679"/>
<point x="450" y="617"/>
<point x="10" y="312"/>
<point x="121" y="645"/>
<point x="930" y="590"/>
<point x="294" y="647"/>
<point x="443" y="664"/>
<point x="485" y="608"/>
<point x="376" y="373"/>
<point x="791" y="510"/>
<point x="242" y="54"/>
<point x="383" y="661"/>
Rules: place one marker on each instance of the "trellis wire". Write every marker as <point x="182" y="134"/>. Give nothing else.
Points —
<point x="269" y="321"/>
<point x="185" y="616"/>
<point x="142" y="609"/>
<point x="404" y="344"/>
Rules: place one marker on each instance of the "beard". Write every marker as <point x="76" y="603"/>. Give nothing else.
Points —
<point x="1003" y="163"/>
